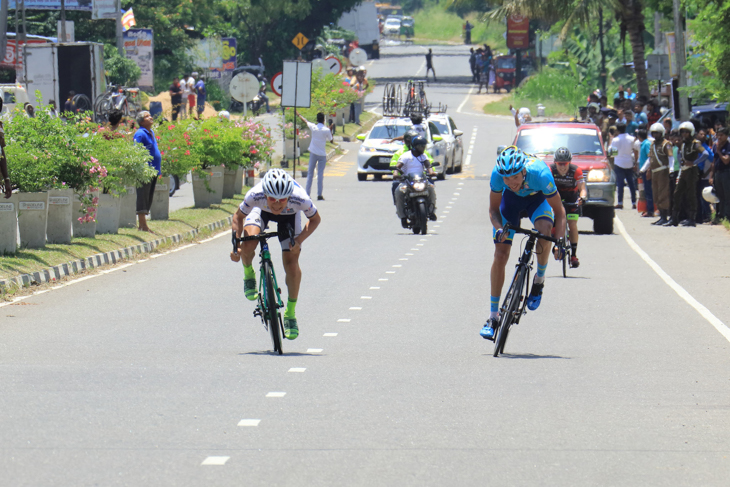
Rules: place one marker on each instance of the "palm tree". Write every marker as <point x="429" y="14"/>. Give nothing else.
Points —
<point x="581" y="12"/>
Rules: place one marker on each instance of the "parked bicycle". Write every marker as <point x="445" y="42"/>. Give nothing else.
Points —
<point x="269" y="299"/>
<point x="515" y="302"/>
<point x="116" y="97"/>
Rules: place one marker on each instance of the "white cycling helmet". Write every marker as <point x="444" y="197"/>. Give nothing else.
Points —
<point x="687" y="126"/>
<point x="224" y="114"/>
<point x="657" y="127"/>
<point x="709" y="195"/>
<point x="277" y="184"/>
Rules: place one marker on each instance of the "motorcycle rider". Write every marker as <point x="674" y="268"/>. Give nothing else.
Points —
<point x="419" y="126"/>
<point x="262" y="92"/>
<point x="414" y="161"/>
<point x="407" y="137"/>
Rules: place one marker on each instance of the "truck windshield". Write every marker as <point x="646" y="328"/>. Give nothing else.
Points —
<point x="548" y="140"/>
<point x="388" y="131"/>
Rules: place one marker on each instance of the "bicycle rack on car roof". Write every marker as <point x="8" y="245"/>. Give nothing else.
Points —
<point x="415" y="100"/>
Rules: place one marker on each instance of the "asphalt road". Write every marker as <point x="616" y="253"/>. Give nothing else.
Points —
<point x="158" y="374"/>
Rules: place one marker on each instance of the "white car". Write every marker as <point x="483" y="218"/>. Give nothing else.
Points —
<point x="454" y="159"/>
<point x="14" y="96"/>
<point x="391" y="27"/>
<point x="377" y="150"/>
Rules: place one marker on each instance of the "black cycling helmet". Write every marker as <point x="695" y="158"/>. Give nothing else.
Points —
<point x="563" y="155"/>
<point x="416" y="118"/>
<point x="408" y="136"/>
<point x="419" y="141"/>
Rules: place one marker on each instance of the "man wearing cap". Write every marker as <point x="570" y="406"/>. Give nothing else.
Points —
<point x="661" y="158"/>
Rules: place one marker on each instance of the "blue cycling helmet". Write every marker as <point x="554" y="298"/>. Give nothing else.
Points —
<point x="511" y="161"/>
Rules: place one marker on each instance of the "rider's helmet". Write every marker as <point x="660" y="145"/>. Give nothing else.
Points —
<point x="687" y="126"/>
<point x="416" y="118"/>
<point x="563" y="155"/>
<point x="511" y="161"/>
<point x="408" y="137"/>
<point x="419" y="141"/>
<point x="277" y="184"/>
<point x="657" y="127"/>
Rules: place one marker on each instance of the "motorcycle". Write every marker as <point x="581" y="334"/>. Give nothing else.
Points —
<point x="257" y="104"/>
<point x="417" y="205"/>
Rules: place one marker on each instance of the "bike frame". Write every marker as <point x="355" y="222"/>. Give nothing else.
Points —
<point x="265" y="256"/>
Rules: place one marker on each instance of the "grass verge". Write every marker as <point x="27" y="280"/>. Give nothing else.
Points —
<point x="553" y="108"/>
<point x="435" y="23"/>
<point x="30" y="260"/>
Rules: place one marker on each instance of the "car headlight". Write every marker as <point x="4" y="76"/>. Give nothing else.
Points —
<point x="369" y="149"/>
<point x="419" y="186"/>
<point x="599" y="175"/>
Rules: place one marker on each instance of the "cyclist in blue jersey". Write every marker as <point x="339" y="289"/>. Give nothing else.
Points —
<point x="522" y="186"/>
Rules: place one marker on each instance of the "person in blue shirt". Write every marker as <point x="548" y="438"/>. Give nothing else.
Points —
<point x="201" y="91"/>
<point x="145" y="136"/>
<point x="521" y="184"/>
<point x="644" y="146"/>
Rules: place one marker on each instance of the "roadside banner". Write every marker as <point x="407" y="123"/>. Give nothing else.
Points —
<point x="54" y="5"/>
<point x="139" y="46"/>
<point x="9" y="60"/>
<point x="518" y="32"/>
<point x="104" y="9"/>
<point x="228" y="58"/>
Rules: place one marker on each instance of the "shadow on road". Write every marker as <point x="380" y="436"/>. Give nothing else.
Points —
<point x="290" y="354"/>
<point x="532" y="356"/>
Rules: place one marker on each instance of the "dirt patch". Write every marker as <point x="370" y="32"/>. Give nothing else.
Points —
<point x="479" y="100"/>
<point x="164" y="98"/>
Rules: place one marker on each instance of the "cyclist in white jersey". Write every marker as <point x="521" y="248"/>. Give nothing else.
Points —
<point x="280" y="199"/>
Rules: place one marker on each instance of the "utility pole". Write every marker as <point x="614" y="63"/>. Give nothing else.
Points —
<point x="120" y="34"/>
<point x="603" y="75"/>
<point x="3" y="27"/>
<point x="680" y="55"/>
<point x="63" y="20"/>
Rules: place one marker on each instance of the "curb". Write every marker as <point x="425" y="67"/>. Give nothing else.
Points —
<point x="78" y="266"/>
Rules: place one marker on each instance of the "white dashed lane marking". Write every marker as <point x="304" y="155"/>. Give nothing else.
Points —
<point x="297" y="369"/>
<point x="343" y="320"/>
<point x="357" y="307"/>
<point x="276" y="394"/>
<point x="390" y="272"/>
<point x="381" y="279"/>
<point x="366" y="297"/>
<point x="249" y="422"/>
<point x="330" y="335"/>
<point x="215" y="460"/>
<point x="314" y="350"/>
<point x="374" y="287"/>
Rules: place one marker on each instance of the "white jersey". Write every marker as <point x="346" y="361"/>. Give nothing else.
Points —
<point x="298" y="201"/>
<point x="413" y="164"/>
<point x="421" y="129"/>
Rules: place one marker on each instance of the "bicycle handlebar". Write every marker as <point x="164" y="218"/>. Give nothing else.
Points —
<point x="531" y="233"/>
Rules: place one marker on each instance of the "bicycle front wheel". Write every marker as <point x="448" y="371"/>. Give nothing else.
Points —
<point x="271" y="310"/>
<point x="565" y="259"/>
<point x="510" y="307"/>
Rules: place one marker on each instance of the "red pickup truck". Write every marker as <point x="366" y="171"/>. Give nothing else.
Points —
<point x="585" y="143"/>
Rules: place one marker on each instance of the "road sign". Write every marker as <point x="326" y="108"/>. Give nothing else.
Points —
<point x="518" y="32"/>
<point x="300" y="41"/>
<point x="320" y="64"/>
<point x="333" y="64"/>
<point x="657" y="67"/>
<point x="276" y="82"/>
<point x="244" y="87"/>
<point x="296" y="89"/>
<point x="358" y="56"/>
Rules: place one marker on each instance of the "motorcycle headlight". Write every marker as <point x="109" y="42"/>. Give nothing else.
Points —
<point x="599" y="175"/>
<point x="419" y="186"/>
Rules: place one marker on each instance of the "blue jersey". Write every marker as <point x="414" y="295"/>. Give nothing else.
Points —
<point x="538" y="179"/>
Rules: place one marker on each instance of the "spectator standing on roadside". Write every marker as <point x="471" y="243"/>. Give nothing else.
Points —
<point x="467" y="32"/>
<point x="70" y="106"/>
<point x="653" y="113"/>
<point x="479" y="68"/>
<point x="704" y="166"/>
<point x="176" y="97"/>
<point x="429" y="64"/>
<point x="473" y="65"/>
<point x="644" y="146"/>
<point x="317" y="153"/>
<point x="661" y="160"/>
<point x="720" y="177"/>
<point x="640" y="116"/>
<point x="146" y="137"/>
<point x="185" y="93"/>
<point x="201" y="93"/>
<point x="620" y="96"/>
<point x="667" y="122"/>
<point x="6" y="185"/>
<point x="624" y="165"/>
<point x="629" y="95"/>
<point x="191" y="95"/>
<point x="685" y="198"/>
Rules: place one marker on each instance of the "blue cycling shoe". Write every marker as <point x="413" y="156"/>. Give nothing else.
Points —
<point x="489" y="329"/>
<point x="533" y="300"/>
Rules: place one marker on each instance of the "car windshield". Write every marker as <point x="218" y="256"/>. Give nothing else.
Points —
<point x="442" y="126"/>
<point x="548" y="140"/>
<point x="388" y="131"/>
<point x="506" y="63"/>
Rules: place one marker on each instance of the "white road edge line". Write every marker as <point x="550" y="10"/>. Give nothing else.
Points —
<point x="466" y="98"/>
<point x="215" y="461"/>
<point x="706" y="313"/>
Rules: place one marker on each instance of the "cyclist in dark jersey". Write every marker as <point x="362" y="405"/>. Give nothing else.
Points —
<point x="569" y="181"/>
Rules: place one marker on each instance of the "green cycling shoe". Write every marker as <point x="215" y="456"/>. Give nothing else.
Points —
<point x="249" y="289"/>
<point x="291" y="330"/>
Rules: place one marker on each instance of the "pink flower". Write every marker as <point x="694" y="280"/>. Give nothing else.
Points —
<point x="187" y="152"/>
<point x="170" y="127"/>
<point x="254" y="151"/>
<point x="341" y="90"/>
<point x="63" y="184"/>
<point x="94" y="160"/>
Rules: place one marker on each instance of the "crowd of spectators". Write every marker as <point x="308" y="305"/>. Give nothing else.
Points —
<point x="482" y="67"/>
<point x="685" y="170"/>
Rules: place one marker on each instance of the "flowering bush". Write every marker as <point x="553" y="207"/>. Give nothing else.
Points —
<point x="260" y="144"/>
<point x="176" y="142"/>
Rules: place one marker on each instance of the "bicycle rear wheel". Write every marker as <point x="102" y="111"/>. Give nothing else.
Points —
<point x="510" y="307"/>
<point x="271" y="310"/>
<point x="565" y="259"/>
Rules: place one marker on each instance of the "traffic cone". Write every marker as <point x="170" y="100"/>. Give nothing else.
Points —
<point x="641" y="204"/>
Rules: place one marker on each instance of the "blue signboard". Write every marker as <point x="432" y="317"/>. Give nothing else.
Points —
<point x="228" y="59"/>
<point x="54" y="4"/>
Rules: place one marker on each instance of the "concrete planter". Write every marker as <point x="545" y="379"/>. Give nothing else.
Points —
<point x="238" y="181"/>
<point x="230" y="177"/>
<point x="204" y="198"/>
<point x="33" y="219"/>
<point x="289" y="149"/>
<point x="60" y="213"/>
<point x="341" y="115"/>
<point x="160" y="209"/>
<point x="128" y="208"/>
<point x="107" y="214"/>
<point x="304" y="144"/>
<point x="9" y="224"/>
<point x="82" y="230"/>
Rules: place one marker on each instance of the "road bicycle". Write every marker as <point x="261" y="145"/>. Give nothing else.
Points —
<point x="566" y="252"/>
<point x="515" y="302"/>
<point x="269" y="300"/>
<point x="117" y="98"/>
